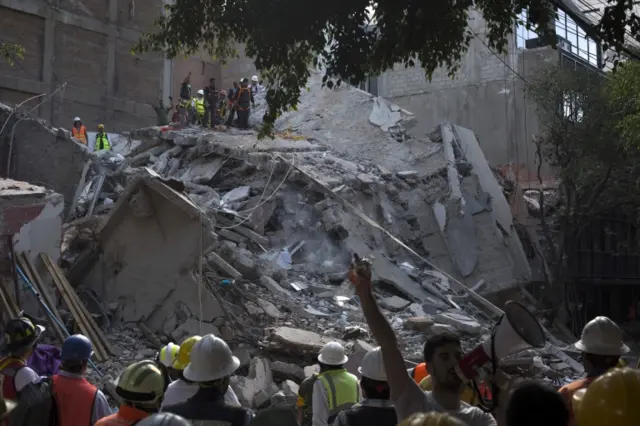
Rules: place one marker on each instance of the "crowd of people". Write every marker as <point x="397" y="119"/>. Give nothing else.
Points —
<point x="189" y="384"/>
<point x="210" y="106"/>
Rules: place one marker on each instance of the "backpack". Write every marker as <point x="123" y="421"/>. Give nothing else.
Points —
<point x="36" y="405"/>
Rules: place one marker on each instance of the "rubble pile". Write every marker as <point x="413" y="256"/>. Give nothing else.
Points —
<point x="192" y="231"/>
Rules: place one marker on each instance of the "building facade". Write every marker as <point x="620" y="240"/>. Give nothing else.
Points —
<point x="80" y="51"/>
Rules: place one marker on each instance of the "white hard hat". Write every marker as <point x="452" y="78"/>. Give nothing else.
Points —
<point x="254" y="78"/>
<point x="200" y="92"/>
<point x="332" y="354"/>
<point x="77" y="119"/>
<point x="602" y="336"/>
<point x="211" y="359"/>
<point x="372" y="366"/>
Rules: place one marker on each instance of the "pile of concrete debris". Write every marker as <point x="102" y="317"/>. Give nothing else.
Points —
<point x="191" y="231"/>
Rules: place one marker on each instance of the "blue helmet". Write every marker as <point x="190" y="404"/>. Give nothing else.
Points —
<point x="76" y="348"/>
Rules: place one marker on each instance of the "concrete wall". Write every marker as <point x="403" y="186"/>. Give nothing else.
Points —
<point x="485" y="96"/>
<point x="234" y="69"/>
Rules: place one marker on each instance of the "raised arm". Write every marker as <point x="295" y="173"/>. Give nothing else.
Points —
<point x="397" y="375"/>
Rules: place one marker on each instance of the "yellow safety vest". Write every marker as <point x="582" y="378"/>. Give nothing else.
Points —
<point x="199" y="105"/>
<point x="342" y="390"/>
<point x="102" y="142"/>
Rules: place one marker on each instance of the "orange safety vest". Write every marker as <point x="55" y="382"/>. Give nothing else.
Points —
<point x="80" y="134"/>
<point x="74" y="400"/>
<point x="420" y="372"/>
<point x="124" y="417"/>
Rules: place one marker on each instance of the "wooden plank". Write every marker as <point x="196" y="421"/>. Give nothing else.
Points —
<point x="92" y="322"/>
<point x="83" y="309"/>
<point x="8" y="304"/>
<point x="80" y="320"/>
<point x="34" y="277"/>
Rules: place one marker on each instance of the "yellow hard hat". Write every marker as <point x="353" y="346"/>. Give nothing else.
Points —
<point x="468" y="395"/>
<point x="100" y="126"/>
<point x="168" y="354"/>
<point x="142" y="383"/>
<point x="609" y="400"/>
<point x="184" y="353"/>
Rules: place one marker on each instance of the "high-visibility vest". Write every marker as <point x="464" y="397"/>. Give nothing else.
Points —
<point x="342" y="391"/>
<point x="9" y="366"/>
<point x="74" y="400"/>
<point x="102" y="142"/>
<point x="199" y="103"/>
<point x="80" y="134"/>
<point x="420" y="372"/>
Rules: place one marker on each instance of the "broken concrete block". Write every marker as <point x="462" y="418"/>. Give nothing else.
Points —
<point x="283" y="370"/>
<point x="407" y="174"/>
<point x="244" y="262"/>
<point x="193" y="327"/>
<point x="263" y="396"/>
<point x="275" y="288"/>
<point x="244" y="389"/>
<point x="421" y="324"/>
<point x="460" y="322"/>
<point x="253" y="309"/>
<point x="366" y="179"/>
<point x="244" y="355"/>
<point x="253" y="236"/>
<point x="360" y="349"/>
<point x="417" y="310"/>
<point x="269" y="309"/>
<point x="310" y="370"/>
<point x="300" y="341"/>
<point x="221" y="265"/>
<point x="289" y="387"/>
<point x="394" y="303"/>
<point x="185" y="141"/>
<point x="442" y="328"/>
<point x="227" y="333"/>
<point x="238" y="194"/>
<point x="353" y="332"/>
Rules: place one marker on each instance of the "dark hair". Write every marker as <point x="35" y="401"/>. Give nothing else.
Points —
<point x="74" y="367"/>
<point x="327" y="367"/>
<point x="534" y="404"/>
<point x="601" y="363"/>
<point x="438" y="341"/>
<point x="375" y="389"/>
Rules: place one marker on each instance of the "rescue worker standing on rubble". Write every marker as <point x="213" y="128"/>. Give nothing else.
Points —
<point x="78" y="402"/>
<point x="305" y="399"/>
<point x="442" y="355"/>
<point x="102" y="140"/>
<point x="243" y="101"/>
<point x="79" y="131"/>
<point x="182" y="389"/>
<point x="211" y="366"/>
<point x="601" y="345"/>
<point x="141" y="387"/>
<point x="376" y="408"/>
<point x="199" y="108"/>
<point x="255" y="85"/>
<point x="335" y="389"/>
<point x="211" y="97"/>
<point x="20" y="338"/>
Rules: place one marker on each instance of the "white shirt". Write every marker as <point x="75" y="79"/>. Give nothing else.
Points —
<point x="414" y="400"/>
<point x="23" y="377"/>
<point x="179" y="391"/>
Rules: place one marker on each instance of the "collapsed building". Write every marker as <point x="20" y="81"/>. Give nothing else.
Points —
<point x="177" y="232"/>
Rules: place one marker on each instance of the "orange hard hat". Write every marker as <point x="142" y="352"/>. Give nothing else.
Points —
<point x="612" y="399"/>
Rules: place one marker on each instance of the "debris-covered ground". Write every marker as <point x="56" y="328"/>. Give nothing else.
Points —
<point x="192" y="231"/>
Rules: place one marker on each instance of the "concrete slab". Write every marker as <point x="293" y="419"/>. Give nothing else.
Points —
<point x="394" y="303"/>
<point x="300" y="340"/>
<point x="460" y="322"/>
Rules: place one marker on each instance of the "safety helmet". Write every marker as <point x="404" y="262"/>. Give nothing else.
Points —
<point x="6" y="407"/>
<point x="184" y="353"/>
<point x="332" y="354"/>
<point x="211" y="359"/>
<point x="168" y="354"/>
<point x="609" y="400"/>
<point x="20" y="333"/>
<point x="164" y="419"/>
<point x="602" y="336"/>
<point x="100" y="126"/>
<point x="76" y="348"/>
<point x="142" y="383"/>
<point x="77" y="119"/>
<point x="254" y="78"/>
<point x="200" y="92"/>
<point x="372" y="366"/>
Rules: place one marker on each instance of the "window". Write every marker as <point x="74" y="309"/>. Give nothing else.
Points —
<point x="572" y="108"/>
<point x="575" y="39"/>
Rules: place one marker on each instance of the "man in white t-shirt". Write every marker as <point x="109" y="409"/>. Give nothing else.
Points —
<point x="21" y="336"/>
<point x="442" y="355"/>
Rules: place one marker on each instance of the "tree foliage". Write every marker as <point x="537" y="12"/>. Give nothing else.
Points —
<point x="624" y="100"/>
<point x="349" y="39"/>
<point x="584" y="138"/>
<point x="11" y="52"/>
